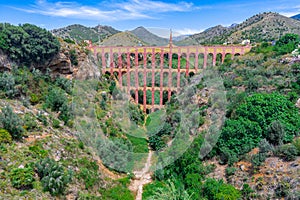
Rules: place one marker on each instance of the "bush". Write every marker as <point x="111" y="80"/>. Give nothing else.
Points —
<point x="29" y="122"/>
<point x="53" y="177"/>
<point x="55" y="99"/>
<point x="5" y="137"/>
<point x="217" y="190"/>
<point x="296" y="143"/>
<point x="287" y="152"/>
<point x="7" y="84"/>
<point x="11" y="122"/>
<point x="276" y="133"/>
<point x="55" y="123"/>
<point x="28" y="43"/>
<point x="73" y="57"/>
<point x="230" y="171"/>
<point x="22" y="178"/>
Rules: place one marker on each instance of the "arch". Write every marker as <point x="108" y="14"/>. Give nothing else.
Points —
<point x="148" y="111"/>
<point x="200" y="60"/>
<point x="140" y="59"/>
<point x="132" y="78"/>
<point x="183" y="58"/>
<point x="210" y="57"/>
<point x="99" y="59"/>
<point x="237" y="54"/>
<point x="124" y="60"/>
<point x="192" y="59"/>
<point x="219" y="59"/>
<point x="183" y="79"/>
<point x="132" y="59"/>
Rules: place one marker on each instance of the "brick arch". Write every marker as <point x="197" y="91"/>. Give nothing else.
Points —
<point x="152" y="72"/>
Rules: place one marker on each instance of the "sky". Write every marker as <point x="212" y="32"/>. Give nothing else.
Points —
<point x="158" y="16"/>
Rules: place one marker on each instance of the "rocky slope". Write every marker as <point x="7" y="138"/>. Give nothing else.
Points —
<point x="79" y="32"/>
<point x="123" y="39"/>
<point x="260" y="27"/>
<point x="149" y="37"/>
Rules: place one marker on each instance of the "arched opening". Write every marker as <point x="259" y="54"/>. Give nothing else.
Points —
<point x="132" y="60"/>
<point x="132" y="79"/>
<point x="140" y="60"/>
<point x="132" y="94"/>
<point x="210" y="60"/>
<point x="156" y="109"/>
<point x="156" y="97"/>
<point x="174" y="79"/>
<point x="219" y="59"/>
<point x="124" y="79"/>
<point x="183" y="80"/>
<point x="115" y="60"/>
<point x="157" y="60"/>
<point x="237" y="55"/>
<point x="174" y="60"/>
<point x="124" y="60"/>
<point x="107" y="60"/>
<point x="148" y="97"/>
<point x="157" y="79"/>
<point x="141" y="79"/>
<point x="191" y="74"/>
<point x="149" y="79"/>
<point x="200" y="61"/>
<point x="148" y="111"/>
<point x="192" y="61"/>
<point x="228" y="57"/>
<point x="149" y="61"/>
<point x="166" y="60"/>
<point x="183" y="61"/>
<point x="165" y="97"/>
<point x="140" y="96"/>
<point x="165" y="79"/>
<point x="99" y="60"/>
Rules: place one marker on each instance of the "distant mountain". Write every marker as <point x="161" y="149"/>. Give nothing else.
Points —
<point x="180" y="37"/>
<point x="296" y="17"/>
<point x="79" y="32"/>
<point x="261" y="27"/>
<point x="149" y="37"/>
<point x="123" y="39"/>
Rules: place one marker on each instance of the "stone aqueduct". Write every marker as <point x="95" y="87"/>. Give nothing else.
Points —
<point x="143" y="65"/>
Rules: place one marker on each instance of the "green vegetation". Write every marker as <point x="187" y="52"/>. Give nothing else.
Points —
<point x="27" y="43"/>
<point x="22" y="178"/>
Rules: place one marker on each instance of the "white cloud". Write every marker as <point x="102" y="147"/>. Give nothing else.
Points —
<point x="290" y="14"/>
<point x="129" y="9"/>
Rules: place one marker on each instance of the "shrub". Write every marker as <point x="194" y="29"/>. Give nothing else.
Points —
<point x="28" y="43"/>
<point x="11" y="122"/>
<point x="287" y="152"/>
<point x="5" y="137"/>
<point x="38" y="151"/>
<point x="276" y="133"/>
<point x="22" y="178"/>
<point x="217" y="190"/>
<point x="7" y="85"/>
<point x="55" y="99"/>
<point x="296" y="143"/>
<point x="53" y="177"/>
<point x="73" y="57"/>
<point x="230" y="171"/>
<point x="258" y="159"/>
<point x="29" y="122"/>
<point x="55" y="123"/>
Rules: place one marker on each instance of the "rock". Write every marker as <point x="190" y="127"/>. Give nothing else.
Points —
<point x="5" y="63"/>
<point x="293" y="165"/>
<point x="21" y="167"/>
<point x="242" y="167"/>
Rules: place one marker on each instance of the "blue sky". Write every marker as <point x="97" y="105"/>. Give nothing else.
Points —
<point x="183" y="17"/>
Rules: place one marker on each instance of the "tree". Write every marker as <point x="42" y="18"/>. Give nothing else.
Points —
<point x="287" y="43"/>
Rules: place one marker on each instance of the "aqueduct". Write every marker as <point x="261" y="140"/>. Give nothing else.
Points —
<point x="139" y="68"/>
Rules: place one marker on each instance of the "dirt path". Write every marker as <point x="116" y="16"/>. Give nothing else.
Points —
<point x="141" y="178"/>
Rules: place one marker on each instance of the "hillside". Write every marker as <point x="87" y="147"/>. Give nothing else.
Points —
<point x="260" y="27"/>
<point x="296" y="17"/>
<point x="79" y="32"/>
<point x="123" y="39"/>
<point x="149" y="37"/>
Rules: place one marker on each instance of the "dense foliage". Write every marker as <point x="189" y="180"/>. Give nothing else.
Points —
<point x="27" y="43"/>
